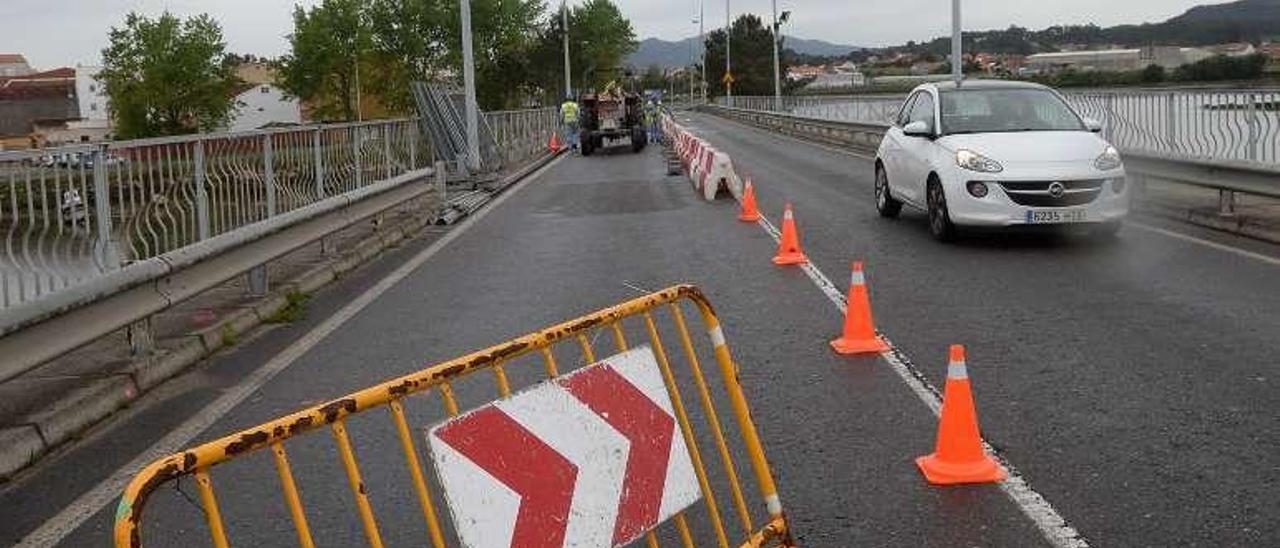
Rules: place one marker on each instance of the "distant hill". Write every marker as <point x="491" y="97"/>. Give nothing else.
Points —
<point x="1240" y="21"/>
<point x="654" y="51"/>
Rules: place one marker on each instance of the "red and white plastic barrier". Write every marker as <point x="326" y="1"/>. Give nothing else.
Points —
<point x="709" y="170"/>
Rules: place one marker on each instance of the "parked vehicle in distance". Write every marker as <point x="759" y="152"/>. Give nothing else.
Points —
<point x="998" y="154"/>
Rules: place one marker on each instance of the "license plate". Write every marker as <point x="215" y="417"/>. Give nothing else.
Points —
<point x="1056" y="216"/>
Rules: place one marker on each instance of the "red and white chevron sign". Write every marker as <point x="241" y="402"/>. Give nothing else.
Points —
<point x="592" y="459"/>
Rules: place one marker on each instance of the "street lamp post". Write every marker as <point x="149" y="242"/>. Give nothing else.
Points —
<point x="957" y="64"/>
<point x="564" y="22"/>
<point x="777" y="64"/>
<point x="702" y="37"/>
<point x="728" y="62"/>
<point x="469" y="83"/>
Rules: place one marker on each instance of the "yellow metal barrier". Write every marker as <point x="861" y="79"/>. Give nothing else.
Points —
<point x="199" y="461"/>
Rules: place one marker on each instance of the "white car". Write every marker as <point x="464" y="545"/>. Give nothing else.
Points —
<point x="993" y="154"/>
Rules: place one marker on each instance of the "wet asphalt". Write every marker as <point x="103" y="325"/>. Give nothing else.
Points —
<point x="1131" y="382"/>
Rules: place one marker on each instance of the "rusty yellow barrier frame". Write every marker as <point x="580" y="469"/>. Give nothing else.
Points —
<point x="197" y="461"/>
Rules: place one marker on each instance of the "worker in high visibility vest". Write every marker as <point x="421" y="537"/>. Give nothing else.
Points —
<point x="570" y="122"/>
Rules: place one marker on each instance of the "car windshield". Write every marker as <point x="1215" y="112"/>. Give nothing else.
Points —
<point x="1006" y="110"/>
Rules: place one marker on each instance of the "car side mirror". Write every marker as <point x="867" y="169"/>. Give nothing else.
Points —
<point x="917" y="129"/>
<point x="1093" y="125"/>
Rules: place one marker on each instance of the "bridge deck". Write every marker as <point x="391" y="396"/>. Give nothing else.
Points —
<point x="1130" y="383"/>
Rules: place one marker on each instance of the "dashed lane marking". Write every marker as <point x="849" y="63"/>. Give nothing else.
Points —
<point x="92" y="501"/>
<point x="1052" y="525"/>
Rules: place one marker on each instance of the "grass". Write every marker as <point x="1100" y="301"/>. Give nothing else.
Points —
<point x="294" y="309"/>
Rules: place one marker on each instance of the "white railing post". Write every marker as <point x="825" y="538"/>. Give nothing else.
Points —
<point x="203" y="225"/>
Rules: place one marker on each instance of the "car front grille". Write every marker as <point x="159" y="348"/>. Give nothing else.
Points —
<point x="1037" y="194"/>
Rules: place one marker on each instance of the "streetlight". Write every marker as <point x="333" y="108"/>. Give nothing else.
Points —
<point x="698" y="20"/>
<point x="469" y="84"/>
<point x="957" y="64"/>
<point x="777" y="64"/>
<point x="564" y="23"/>
<point x="728" y="63"/>
<point x="702" y="36"/>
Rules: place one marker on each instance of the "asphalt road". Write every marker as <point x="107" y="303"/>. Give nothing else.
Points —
<point x="1131" y="383"/>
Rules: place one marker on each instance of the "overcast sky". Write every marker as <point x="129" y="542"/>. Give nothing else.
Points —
<point x="65" y="32"/>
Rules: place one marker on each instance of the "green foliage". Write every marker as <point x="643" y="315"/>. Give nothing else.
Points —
<point x="328" y="43"/>
<point x="751" y="53"/>
<point x="395" y="42"/>
<point x="1221" y="67"/>
<point x="228" y="335"/>
<point x="1218" y="68"/>
<point x="600" y="39"/>
<point x="653" y="78"/>
<point x="167" y="76"/>
<point x="1153" y="74"/>
<point x="294" y="309"/>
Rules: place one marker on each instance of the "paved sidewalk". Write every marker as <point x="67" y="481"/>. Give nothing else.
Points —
<point x="54" y="403"/>
<point x="1255" y="216"/>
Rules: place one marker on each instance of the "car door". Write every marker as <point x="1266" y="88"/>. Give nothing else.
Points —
<point x="894" y="139"/>
<point x="916" y="151"/>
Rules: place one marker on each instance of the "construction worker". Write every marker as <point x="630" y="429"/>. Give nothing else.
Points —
<point x="569" y="118"/>
<point x="651" y="119"/>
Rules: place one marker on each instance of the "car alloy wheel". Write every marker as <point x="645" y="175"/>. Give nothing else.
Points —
<point x="939" y="219"/>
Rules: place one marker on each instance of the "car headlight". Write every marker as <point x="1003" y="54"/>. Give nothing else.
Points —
<point x="973" y="161"/>
<point x="1109" y="160"/>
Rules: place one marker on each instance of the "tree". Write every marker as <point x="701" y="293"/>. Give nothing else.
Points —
<point x="653" y="78"/>
<point x="752" y="55"/>
<point x="167" y="76"/>
<point x="329" y="45"/>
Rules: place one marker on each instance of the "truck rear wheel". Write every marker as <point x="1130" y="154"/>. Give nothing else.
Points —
<point x="638" y="139"/>
<point x="586" y="144"/>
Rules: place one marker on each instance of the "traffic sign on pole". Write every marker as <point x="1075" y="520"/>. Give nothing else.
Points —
<point x="593" y="458"/>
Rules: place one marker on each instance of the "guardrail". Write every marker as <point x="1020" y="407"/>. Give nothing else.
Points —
<point x="1223" y="175"/>
<point x="1189" y="123"/>
<point x="99" y="237"/>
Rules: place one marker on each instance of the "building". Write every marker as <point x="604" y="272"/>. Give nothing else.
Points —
<point x="804" y="72"/>
<point x="14" y="64"/>
<point x="847" y="67"/>
<point x="1235" y="49"/>
<point x="55" y="107"/>
<point x="35" y="101"/>
<point x="838" y="80"/>
<point x="264" y="105"/>
<point x="1116" y="60"/>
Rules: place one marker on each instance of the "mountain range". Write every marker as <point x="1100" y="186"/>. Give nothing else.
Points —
<point x="655" y="51"/>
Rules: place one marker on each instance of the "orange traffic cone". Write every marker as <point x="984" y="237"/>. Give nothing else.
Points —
<point x="554" y="143"/>
<point x="959" y="456"/>
<point x="749" y="212"/>
<point x="859" y="335"/>
<point x="789" y="248"/>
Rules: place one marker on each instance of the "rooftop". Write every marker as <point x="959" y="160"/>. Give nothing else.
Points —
<point x="12" y="59"/>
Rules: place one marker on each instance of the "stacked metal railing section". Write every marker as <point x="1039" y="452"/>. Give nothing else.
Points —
<point x="1242" y="124"/>
<point x="68" y="215"/>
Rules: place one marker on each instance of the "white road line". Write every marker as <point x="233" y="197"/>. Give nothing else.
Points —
<point x="92" y="501"/>
<point x="1207" y="243"/>
<point x="1052" y="525"/>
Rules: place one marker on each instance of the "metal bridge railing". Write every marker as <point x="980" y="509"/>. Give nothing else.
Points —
<point x="1208" y="124"/>
<point x="73" y="213"/>
<point x="522" y="135"/>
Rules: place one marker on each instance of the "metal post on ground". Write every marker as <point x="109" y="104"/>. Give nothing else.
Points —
<point x="957" y="61"/>
<point x="319" y="163"/>
<point x="777" y="63"/>
<point x="564" y="22"/>
<point x="269" y="174"/>
<point x="702" y="38"/>
<point x="202" y="194"/>
<point x="469" y="83"/>
<point x="442" y="191"/>
<point x="728" y="63"/>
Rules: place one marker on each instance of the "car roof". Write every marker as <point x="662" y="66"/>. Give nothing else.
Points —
<point x="983" y="84"/>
